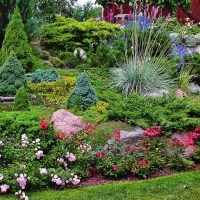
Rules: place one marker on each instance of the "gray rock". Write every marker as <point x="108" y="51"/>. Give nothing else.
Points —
<point x="197" y="37"/>
<point x="197" y="49"/>
<point x="129" y="137"/>
<point x="194" y="88"/>
<point x="159" y="93"/>
<point x="190" y="41"/>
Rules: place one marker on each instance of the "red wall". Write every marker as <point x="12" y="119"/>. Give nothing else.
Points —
<point x="195" y="14"/>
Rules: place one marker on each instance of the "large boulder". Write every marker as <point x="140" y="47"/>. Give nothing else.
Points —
<point x="129" y="137"/>
<point x="184" y="138"/>
<point x="66" y="122"/>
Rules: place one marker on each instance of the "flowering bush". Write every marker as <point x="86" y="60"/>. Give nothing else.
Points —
<point x="44" y="159"/>
<point x="151" y="153"/>
<point x="57" y="160"/>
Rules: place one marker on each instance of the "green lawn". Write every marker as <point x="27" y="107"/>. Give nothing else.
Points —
<point x="185" y="186"/>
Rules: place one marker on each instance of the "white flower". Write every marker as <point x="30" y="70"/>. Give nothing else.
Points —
<point x="43" y="171"/>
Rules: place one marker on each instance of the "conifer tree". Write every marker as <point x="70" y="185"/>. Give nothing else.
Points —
<point x="16" y="40"/>
<point x="12" y="76"/>
<point x="83" y="95"/>
<point x="21" y="102"/>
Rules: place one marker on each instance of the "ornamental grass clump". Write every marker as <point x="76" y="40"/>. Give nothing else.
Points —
<point x="21" y="102"/>
<point x="83" y="95"/>
<point x="148" y="63"/>
<point x="12" y="76"/>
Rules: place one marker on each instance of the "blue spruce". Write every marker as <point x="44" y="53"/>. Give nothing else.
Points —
<point x="83" y="95"/>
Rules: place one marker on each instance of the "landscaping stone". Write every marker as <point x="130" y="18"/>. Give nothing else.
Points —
<point x="180" y="94"/>
<point x="194" y="88"/>
<point x="184" y="138"/>
<point x="66" y="122"/>
<point x="158" y="93"/>
<point x="198" y="49"/>
<point x="129" y="137"/>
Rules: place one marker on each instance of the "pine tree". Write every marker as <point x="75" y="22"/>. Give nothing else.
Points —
<point x="16" y="40"/>
<point x="21" y="102"/>
<point x="12" y="76"/>
<point x="83" y="95"/>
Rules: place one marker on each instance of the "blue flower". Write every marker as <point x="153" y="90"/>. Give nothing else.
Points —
<point x="180" y="51"/>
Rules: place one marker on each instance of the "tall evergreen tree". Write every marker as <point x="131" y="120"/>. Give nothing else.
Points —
<point x="16" y="40"/>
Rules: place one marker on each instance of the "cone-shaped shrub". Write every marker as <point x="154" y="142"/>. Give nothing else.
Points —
<point x="83" y="95"/>
<point x="16" y="40"/>
<point x="12" y="76"/>
<point x="21" y="102"/>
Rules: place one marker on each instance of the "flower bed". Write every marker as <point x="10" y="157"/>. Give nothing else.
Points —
<point x="54" y="160"/>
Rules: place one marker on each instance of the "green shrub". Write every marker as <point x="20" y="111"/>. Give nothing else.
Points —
<point x="49" y="75"/>
<point x="48" y="92"/>
<point x="17" y="41"/>
<point x="12" y="76"/>
<point x="171" y="113"/>
<point x="83" y="95"/>
<point x="68" y="34"/>
<point x="193" y="62"/>
<point x="57" y="62"/>
<point x="21" y="102"/>
<point x="17" y="123"/>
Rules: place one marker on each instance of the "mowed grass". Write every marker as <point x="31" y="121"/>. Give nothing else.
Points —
<point x="177" y="187"/>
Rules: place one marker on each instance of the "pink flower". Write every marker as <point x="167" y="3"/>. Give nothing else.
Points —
<point x="71" y="157"/>
<point x="1" y="177"/>
<point x="144" y="149"/>
<point x="115" y="167"/>
<point x="39" y="154"/>
<point x="21" y="180"/>
<point x="60" y="160"/>
<point x="4" y="188"/>
<point x="117" y="135"/>
<point x="153" y="131"/>
<point x="44" y="124"/>
<point x="75" y="180"/>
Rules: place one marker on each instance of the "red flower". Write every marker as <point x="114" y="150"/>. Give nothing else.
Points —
<point x="88" y="127"/>
<point x="100" y="154"/>
<point x="60" y="135"/>
<point x="194" y="165"/>
<point x="153" y="131"/>
<point x="192" y="136"/>
<point x="44" y="124"/>
<point x="115" y="167"/>
<point x="197" y="129"/>
<point x="128" y="148"/>
<point x="117" y="135"/>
